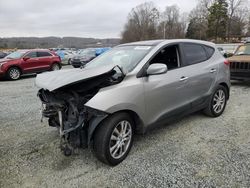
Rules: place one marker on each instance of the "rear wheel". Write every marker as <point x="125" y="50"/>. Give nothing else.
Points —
<point x="217" y="103"/>
<point x="55" y="67"/>
<point x="113" y="139"/>
<point x="14" y="73"/>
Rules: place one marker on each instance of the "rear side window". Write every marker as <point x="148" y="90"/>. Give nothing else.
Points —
<point x="43" y="54"/>
<point x="210" y="51"/>
<point x="194" y="53"/>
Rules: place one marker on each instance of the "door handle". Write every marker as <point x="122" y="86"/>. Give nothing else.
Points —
<point x="213" y="70"/>
<point x="183" y="78"/>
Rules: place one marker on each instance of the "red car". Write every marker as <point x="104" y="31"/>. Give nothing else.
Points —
<point x="28" y="61"/>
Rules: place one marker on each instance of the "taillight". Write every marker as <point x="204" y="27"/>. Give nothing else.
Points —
<point x="226" y="62"/>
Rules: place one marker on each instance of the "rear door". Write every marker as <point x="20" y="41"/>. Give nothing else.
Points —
<point x="45" y="60"/>
<point x="200" y="71"/>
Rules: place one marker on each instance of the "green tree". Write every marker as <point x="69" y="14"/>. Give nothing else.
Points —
<point x="196" y="28"/>
<point x="217" y="20"/>
<point x="198" y="20"/>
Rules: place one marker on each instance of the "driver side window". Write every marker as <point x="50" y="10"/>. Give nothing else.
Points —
<point x="168" y="56"/>
<point x="31" y="55"/>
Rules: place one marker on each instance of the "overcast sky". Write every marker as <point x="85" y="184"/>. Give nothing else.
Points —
<point x="79" y="18"/>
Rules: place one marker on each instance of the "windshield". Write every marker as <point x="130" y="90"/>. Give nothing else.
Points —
<point x="15" y="55"/>
<point x="127" y="57"/>
<point x="243" y="50"/>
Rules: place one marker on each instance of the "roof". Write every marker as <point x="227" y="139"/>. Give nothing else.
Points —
<point x="156" y="42"/>
<point x="31" y="50"/>
<point x="144" y="43"/>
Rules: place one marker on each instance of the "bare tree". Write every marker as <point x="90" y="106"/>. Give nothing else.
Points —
<point x="172" y="25"/>
<point x="233" y="6"/>
<point x="142" y="23"/>
<point x="248" y="26"/>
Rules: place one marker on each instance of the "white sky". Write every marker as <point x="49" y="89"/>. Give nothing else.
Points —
<point x="79" y="18"/>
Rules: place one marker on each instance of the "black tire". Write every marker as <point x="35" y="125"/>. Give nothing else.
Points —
<point x="55" y="67"/>
<point x="69" y="61"/>
<point x="103" y="142"/>
<point x="14" y="73"/>
<point x="209" y="110"/>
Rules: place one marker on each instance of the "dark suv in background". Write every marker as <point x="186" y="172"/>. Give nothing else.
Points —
<point x="28" y="61"/>
<point x="83" y="57"/>
<point x="86" y="55"/>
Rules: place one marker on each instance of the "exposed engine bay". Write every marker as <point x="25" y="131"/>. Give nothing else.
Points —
<point x="65" y="108"/>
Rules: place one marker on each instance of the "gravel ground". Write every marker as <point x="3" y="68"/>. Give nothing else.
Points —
<point x="196" y="151"/>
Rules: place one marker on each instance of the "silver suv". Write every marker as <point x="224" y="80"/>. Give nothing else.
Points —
<point x="130" y="89"/>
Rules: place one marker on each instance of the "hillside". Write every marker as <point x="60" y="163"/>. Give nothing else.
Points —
<point x="53" y="42"/>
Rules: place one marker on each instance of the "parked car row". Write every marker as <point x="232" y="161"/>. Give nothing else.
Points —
<point x="85" y="56"/>
<point x="65" y="55"/>
<point x="21" y="62"/>
<point x="28" y="61"/>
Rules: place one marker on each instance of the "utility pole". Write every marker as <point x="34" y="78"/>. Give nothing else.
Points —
<point x="164" y="30"/>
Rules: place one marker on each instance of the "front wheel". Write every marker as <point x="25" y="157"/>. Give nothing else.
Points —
<point x="113" y="139"/>
<point x="14" y="73"/>
<point x="217" y="102"/>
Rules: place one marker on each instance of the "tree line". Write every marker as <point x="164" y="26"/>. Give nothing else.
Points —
<point x="213" y="20"/>
<point x="53" y="42"/>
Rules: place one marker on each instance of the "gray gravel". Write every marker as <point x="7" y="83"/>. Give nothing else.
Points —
<point x="196" y="151"/>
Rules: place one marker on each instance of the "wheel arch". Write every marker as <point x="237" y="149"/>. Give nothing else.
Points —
<point x="56" y="62"/>
<point x="139" y="126"/>
<point x="227" y="88"/>
<point x="15" y="66"/>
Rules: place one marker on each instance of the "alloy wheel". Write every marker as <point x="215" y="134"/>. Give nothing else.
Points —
<point x="14" y="74"/>
<point x="219" y="101"/>
<point x="120" y="139"/>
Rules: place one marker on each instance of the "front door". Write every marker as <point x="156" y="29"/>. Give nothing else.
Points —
<point x="165" y="94"/>
<point x="30" y="62"/>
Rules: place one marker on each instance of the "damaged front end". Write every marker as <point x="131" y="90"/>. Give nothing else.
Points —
<point x="65" y="108"/>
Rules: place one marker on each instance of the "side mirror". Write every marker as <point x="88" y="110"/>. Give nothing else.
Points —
<point x="157" y="68"/>
<point x="26" y="58"/>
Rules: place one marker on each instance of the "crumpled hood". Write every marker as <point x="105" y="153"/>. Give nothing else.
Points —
<point x="57" y="79"/>
<point x="239" y="58"/>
